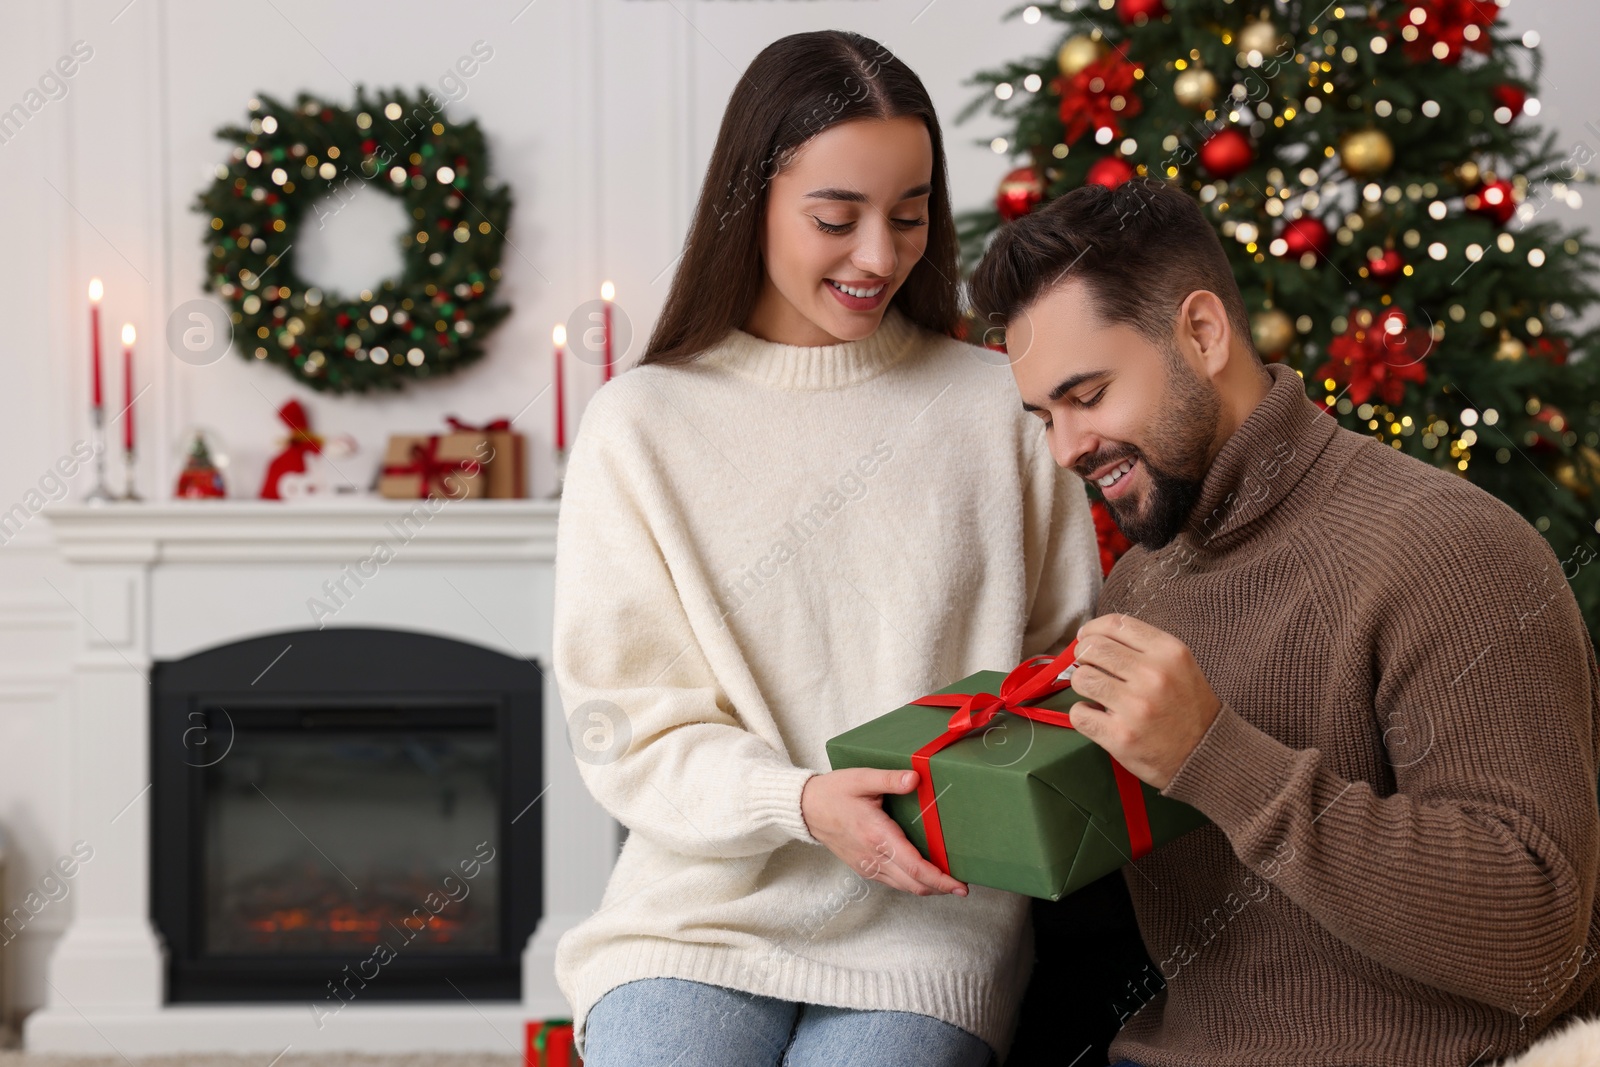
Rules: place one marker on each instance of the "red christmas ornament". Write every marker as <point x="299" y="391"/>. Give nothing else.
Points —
<point x="1386" y="267"/>
<point x="1131" y="11"/>
<point x="1377" y="358"/>
<point x="1226" y="153"/>
<point x="1102" y="94"/>
<point x="1553" y="424"/>
<point x="1304" y="235"/>
<point x="1492" y="200"/>
<point x="1448" y="28"/>
<point x="1020" y="192"/>
<point x="1511" y="97"/>
<point x="1113" y="543"/>
<point x="1110" y="172"/>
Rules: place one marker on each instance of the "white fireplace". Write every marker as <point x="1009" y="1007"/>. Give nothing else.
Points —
<point x="157" y="582"/>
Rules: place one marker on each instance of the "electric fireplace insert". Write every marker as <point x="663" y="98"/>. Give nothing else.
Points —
<point x="346" y="814"/>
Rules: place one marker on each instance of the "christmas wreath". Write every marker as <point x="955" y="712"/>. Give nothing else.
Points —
<point x="292" y="164"/>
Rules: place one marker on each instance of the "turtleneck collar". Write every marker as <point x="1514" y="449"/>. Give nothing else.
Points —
<point x="1258" y="466"/>
<point x="815" y="366"/>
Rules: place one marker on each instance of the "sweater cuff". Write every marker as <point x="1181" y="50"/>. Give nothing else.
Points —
<point x="775" y="799"/>
<point x="1234" y="773"/>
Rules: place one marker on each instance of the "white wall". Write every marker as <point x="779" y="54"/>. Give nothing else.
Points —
<point x="601" y="115"/>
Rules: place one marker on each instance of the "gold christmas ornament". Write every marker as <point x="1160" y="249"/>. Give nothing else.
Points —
<point x="1510" y="349"/>
<point x="1077" y="53"/>
<point x="1588" y="469"/>
<point x="1195" y="88"/>
<point x="1366" y="152"/>
<point x="1468" y="173"/>
<point x="1259" y="36"/>
<point x="1272" y="331"/>
<point x="1566" y="473"/>
<point x="1579" y="476"/>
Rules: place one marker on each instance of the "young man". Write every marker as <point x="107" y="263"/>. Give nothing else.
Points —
<point x="1369" y="674"/>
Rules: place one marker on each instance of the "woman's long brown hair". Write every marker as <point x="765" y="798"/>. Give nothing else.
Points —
<point x="796" y="88"/>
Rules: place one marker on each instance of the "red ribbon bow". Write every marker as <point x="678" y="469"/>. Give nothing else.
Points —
<point x="1032" y="679"/>
<point x="496" y="426"/>
<point x="426" y="462"/>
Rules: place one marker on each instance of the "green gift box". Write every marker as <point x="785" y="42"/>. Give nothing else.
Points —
<point x="1024" y="805"/>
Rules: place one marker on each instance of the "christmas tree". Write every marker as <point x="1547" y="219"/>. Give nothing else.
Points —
<point x="1392" y="213"/>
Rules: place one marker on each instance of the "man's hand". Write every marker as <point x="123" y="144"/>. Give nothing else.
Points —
<point x="844" y="810"/>
<point x="1148" y="701"/>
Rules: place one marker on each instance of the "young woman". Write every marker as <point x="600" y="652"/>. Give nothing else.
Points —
<point x="809" y="505"/>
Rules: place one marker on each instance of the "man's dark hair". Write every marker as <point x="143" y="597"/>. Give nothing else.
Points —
<point x="1142" y="248"/>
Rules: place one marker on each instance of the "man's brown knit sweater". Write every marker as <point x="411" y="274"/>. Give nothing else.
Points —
<point x="1402" y="777"/>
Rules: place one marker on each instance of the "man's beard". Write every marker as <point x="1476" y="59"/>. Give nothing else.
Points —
<point x="1185" y="429"/>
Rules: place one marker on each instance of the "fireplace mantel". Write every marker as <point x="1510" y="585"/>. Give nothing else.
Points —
<point x="251" y="531"/>
<point x="158" y="581"/>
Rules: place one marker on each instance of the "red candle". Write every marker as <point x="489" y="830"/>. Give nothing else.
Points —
<point x="127" y="386"/>
<point x="96" y="291"/>
<point x="608" y="292"/>
<point x="559" y="335"/>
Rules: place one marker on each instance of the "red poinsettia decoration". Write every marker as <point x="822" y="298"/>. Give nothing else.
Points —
<point x="1554" y="349"/>
<point x="1378" y="358"/>
<point x="1101" y="94"/>
<point x="1112" y="542"/>
<point x="1457" y="25"/>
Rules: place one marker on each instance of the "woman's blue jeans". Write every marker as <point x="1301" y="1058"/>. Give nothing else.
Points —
<point x="671" y="1022"/>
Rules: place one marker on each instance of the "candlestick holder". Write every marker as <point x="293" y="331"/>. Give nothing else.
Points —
<point x="100" y="494"/>
<point x="128" y="466"/>
<point x="561" y="474"/>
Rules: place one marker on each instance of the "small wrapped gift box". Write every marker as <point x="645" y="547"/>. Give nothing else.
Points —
<point x="505" y="464"/>
<point x="449" y="465"/>
<point x="1009" y="795"/>
<point x="549" y="1044"/>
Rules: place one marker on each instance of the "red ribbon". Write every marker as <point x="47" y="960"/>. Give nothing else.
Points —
<point x="426" y="462"/>
<point x="1032" y="679"/>
<point x="497" y="426"/>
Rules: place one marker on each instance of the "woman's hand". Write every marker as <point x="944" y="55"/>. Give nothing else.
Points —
<point x="844" y="810"/>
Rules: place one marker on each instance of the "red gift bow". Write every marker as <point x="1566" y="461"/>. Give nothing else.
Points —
<point x="497" y="426"/>
<point x="426" y="462"/>
<point x="1032" y="679"/>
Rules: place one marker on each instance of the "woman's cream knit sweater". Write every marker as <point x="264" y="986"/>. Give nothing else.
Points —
<point x="758" y="551"/>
